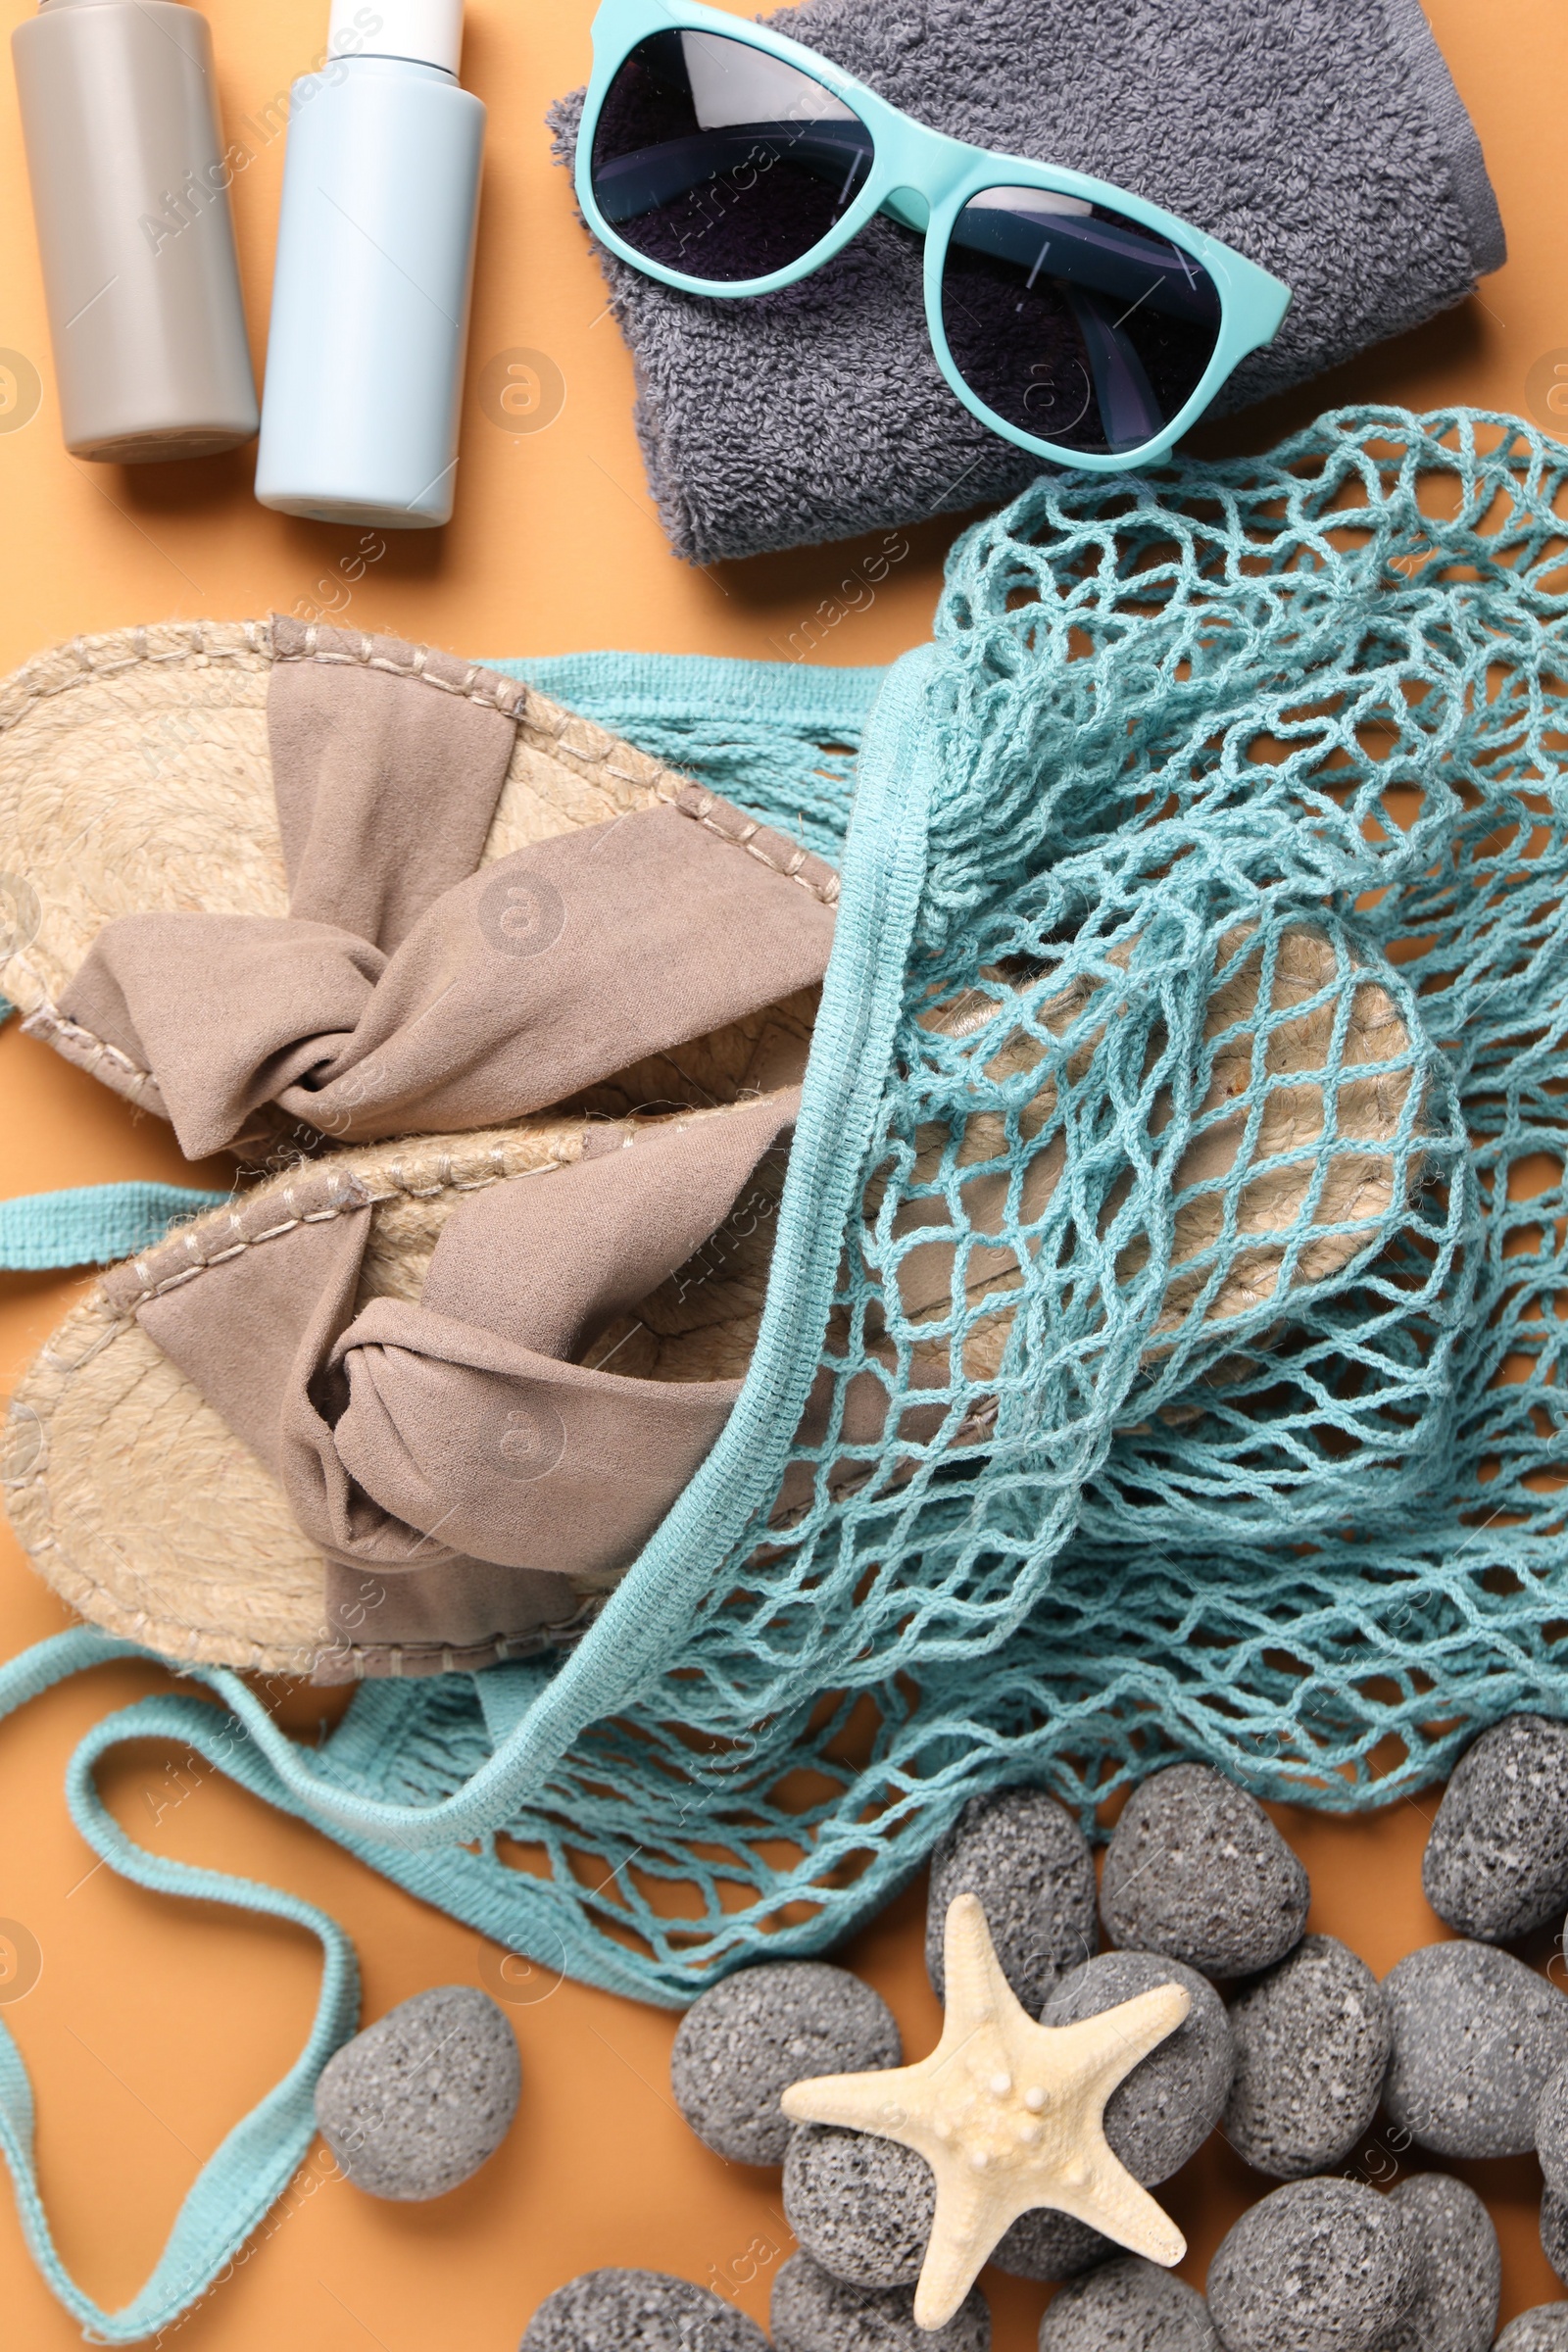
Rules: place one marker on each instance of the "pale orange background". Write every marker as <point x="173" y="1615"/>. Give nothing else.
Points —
<point x="154" y="2024"/>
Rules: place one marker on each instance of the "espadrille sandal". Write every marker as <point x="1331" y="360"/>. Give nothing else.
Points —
<point x="519" y="1343"/>
<point x="418" y="1407"/>
<point x="247" y="863"/>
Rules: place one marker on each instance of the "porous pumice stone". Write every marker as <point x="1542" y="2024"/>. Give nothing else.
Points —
<point x="1320" y="2266"/>
<point x="418" y="2101"/>
<point x="1476" y="2037"/>
<point x="1171" y="2101"/>
<point x="1542" y="2329"/>
<point x="1455" y="2309"/>
<point x="811" y="2311"/>
<point x="1497" y="1860"/>
<point x="860" y="2206"/>
<point x="1128" y="2306"/>
<point x="1047" y="2244"/>
<point x="1554" y="2229"/>
<point x="1195" y="1870"/>
<point x="637" y="2311"/>
<point x="1029" y="1863"/>
<point x="745" y="2040"/>
<point x="1312" y="2038"/>
<point x="1551" y="2130"/>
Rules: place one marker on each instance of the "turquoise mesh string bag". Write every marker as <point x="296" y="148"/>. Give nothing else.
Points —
<point x="1162" y="1349"/>
<point x="1162" y="1355"/>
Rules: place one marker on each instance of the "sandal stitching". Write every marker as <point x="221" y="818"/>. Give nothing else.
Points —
<point x="565" y="1634"/>
<point x="579" y="738"/>
<point x="108" y="663"/>
<point x="47" y="1022"/>
<point x="356" y="1197"/>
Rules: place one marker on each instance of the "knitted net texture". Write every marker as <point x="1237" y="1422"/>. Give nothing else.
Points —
<point x="1191" y="1382"/>
<point x="786" y="756"/>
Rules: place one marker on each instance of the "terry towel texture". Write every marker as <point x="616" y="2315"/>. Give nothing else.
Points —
<point x="1323" y="138"/>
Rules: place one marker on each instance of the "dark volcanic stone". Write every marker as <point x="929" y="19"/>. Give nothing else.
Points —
<point x="1197" y="1871"/>
<point x="637" y="2311"/>
<point x="1551" y="2130"/>
<point x="1320" y="2266"/>
<point x="860" y="2206"/>
<point x="1171" y="2101"/>
<point x="1555" y="2231"/>
<point x="1312" y="2042"/>
<point x="418" y="2101"/>
<point x="1497" y="1861"/>
<point x="1047" y="2244"/>
<point x="1543" y="2329"/>
<point x="1476" y="2037"/>
<point x="1455" y="2309"/>
<point x="746" y="2039"/>
<point x="1030" y="1865"/>
<point x="811" y="2311"/>
<point x="1128" y="2306"/>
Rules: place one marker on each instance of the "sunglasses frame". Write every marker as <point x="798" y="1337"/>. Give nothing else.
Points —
<point x="923" y="180"/>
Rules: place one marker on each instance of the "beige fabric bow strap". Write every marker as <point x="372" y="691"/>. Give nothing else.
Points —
<point x="412" y="990"/>
<point x="466" y="1479"/>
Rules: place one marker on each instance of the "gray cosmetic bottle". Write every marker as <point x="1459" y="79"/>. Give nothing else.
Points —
<point x="130" y="198"/>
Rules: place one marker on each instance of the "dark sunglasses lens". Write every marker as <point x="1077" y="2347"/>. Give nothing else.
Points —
<point x="722" y="161"/>
<point x="1074" y="321"/>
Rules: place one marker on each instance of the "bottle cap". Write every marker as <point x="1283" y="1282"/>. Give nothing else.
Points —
<point x="427" y="33"/>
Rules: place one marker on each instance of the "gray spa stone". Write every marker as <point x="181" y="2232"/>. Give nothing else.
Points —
<point x="419" y="2100"/>
<point x="860" y="2206"/>
<point x="1497" y="1860"/>
<point x="747" y="2038"/>
<point x="1542" y="2329"/>
<point x="1476" y="2037"/>
<point x="1171" y="2101"/>
<point x="1313" y="2041"/>
<point x="1047" y="2244"/>
<point x="1128" y="2306"/>
<point x="811" y="2311"/>
<point x="1320" y="2266"/>
<point x="637" y="2311"/>
<point x="1455" y="2309"/>
<point x="1551" y="2130"/>
<point x="1555" y="2231"/>
<point x="1029" y="1863"/>
<point x="1197" y="1871"/>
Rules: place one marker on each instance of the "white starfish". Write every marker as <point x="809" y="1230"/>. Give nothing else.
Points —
<point x="1008" y="2114"/>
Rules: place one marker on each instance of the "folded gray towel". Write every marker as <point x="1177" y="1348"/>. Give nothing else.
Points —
<point x="1324" y="139"/>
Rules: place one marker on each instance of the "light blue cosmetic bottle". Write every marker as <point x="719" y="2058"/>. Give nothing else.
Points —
<point x="374" y="266"/>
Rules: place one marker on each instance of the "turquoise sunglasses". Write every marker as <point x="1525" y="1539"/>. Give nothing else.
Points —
<point x="1068" y="316"/>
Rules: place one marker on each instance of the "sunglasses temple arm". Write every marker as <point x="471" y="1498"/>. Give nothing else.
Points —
<point x="1128" y="410"/>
